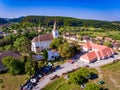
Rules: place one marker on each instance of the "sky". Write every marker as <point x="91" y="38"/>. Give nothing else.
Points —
<point x="84" y="9"/>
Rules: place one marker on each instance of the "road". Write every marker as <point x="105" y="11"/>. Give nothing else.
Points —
<point x="68" y="67"/>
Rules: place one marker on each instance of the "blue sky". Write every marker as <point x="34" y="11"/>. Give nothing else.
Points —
<point x="84" y="9"/>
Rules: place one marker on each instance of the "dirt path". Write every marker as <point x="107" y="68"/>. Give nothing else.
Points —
<point x="99" y="73"/>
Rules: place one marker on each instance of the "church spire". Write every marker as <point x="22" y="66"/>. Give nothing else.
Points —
<point x="55" y="31"/>
<point x="55" y="25"/>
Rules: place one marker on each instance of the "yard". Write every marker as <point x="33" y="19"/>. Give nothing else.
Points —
<point x="111" y="76"/>
<point x="10" y="82"/>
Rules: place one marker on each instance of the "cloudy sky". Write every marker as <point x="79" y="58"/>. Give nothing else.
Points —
<point x="84" y="9"/>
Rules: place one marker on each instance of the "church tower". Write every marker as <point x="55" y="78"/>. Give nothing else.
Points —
<point x="55" y="31"/>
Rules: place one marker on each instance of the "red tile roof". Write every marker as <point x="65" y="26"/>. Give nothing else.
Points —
<point x="108" y="39"/>
<point x="90" y="56"/>
<point x="44" y="37"/>
<point x="87" y="45"/>
<point x="101" y="52"/>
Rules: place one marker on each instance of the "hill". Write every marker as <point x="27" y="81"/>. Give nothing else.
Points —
<point x="3" y="21"/>
<point x="65" y="21"/>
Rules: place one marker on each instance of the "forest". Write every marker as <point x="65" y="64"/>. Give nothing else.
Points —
<point x="48" y="21"/>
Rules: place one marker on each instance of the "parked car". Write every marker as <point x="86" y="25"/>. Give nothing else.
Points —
<point x="71" y="61"/>
<point x="57" y="67"/>
<point x="40" y="75"/>
<point x="55" y="76"/>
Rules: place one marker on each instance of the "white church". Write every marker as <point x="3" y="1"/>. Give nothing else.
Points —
<point x="42" y="42"/>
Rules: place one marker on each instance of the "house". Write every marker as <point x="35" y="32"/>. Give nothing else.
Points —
<point x="116" y="45"/>
<point x="14" y="31"/>
<point x="52" y="55"/>
<point x="108" y="39"/>
<point x="89" y="57"/>
<point x="99" y="38"/>
<point x="42" y="42"/>
<point x="70" y="37"/>
<point x="86" y="38"/>
<point x="95" y="52"/>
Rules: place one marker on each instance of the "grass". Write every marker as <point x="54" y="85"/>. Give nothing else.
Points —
<point x="62" y="84"/>
<point x="113" y="34"/>
<point x="12" y="82"/>
<point x="111" y="75"/>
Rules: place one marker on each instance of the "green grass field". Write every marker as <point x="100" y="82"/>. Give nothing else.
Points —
<point x="111" y="76"/>
<point x="12" y="82"/>
<point x="61" y="84"/>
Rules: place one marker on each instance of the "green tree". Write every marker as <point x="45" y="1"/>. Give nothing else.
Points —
<point x="56" y="43"/>
<point x="22" y="44"/>
<point x="45" y="54"/>
<point x="8" y="47"/>
<point x="107" y="44"/>
<point x="77" y="78"/>
<point x="80" y="76"/>
<point x="76" y="47"/>
<point x="30" y="67"/>
<point x="66" y="50"/>
<point x="15" y="66"/>
<point x="93" y="87"/>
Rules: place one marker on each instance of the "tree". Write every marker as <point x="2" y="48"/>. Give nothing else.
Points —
<point x="15" y="66"/>
<point x="66" y="50"/>
<point x="8" y="47"/>
<point x="76" y="78"/>
<point x="93" y="87"/>
<point x="45" y="54"/>
<point x="56" y="43"/>
<point x="76" y="46"/>
<point x="80" y="76"/>
<point x="107" y="44"/>
<point x="30" y="67"/>
<point x="22" y="44"/>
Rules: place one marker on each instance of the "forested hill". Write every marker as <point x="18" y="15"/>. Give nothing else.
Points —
<point x="67" y="21"/>
<point x="2" y="21"/>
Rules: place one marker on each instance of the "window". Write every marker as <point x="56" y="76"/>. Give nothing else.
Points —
<point x="56" y="33"/>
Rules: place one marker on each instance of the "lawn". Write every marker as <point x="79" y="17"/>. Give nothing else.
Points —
<point x="111" y="76"/>
<point x="12" y="82"/>
<point x="62" y="84"/>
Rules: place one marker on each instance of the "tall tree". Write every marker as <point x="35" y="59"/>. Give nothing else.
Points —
<point x="15" y="66"/>
<point x="56" y="43"/>
<point x="66" y="50"/>
<point x="30" y="67"/>
<point x="79" y="77"/>
<point x="22" y="44"/>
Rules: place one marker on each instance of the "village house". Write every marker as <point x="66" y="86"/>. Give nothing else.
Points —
<point x="108" y="39"/>
<point x="95" y="52"/>
<point x="86" y="38"/>
<point x="99" y="38"/>
<point x="52" y="55"/>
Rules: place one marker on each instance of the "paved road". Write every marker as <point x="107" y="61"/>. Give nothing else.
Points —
<point x="68" y="67"/>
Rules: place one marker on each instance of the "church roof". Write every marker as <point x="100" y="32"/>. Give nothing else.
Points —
<point x="44" y="37"/>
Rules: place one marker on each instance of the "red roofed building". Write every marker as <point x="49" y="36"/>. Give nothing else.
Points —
<point x="42" y="42"/>
<point x="95" y="52"/>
